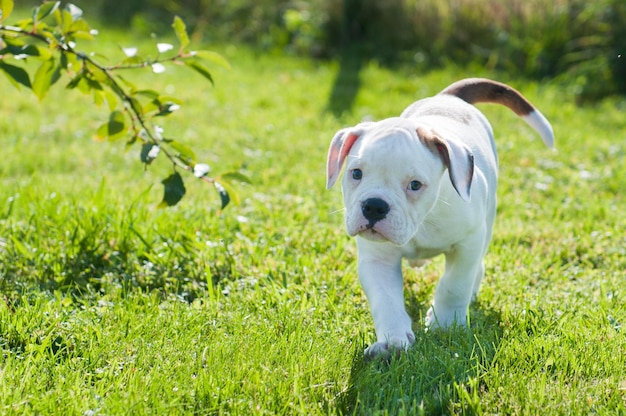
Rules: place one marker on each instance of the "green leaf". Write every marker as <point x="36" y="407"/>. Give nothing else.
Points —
<point x="113" y="129"/>
<point x="69" y="61"/>
<point x="133" y="60"/>
<point x="79" y="29"/>
<point x="127" y="83"/>
<point x="185" y="153"/>
<point x="93" y="84"/>
<point x="133" y="102"/>
<point x="75" y="81"/>
<point x="228" y="187"/>
<point x="47" y="74"/>
<point x="6" y="7"/>
<point x="174" y="190"/>
<point x="152" y="94"/>
<point x="45" y="10"/>
<point x="150" y="106"/>
<point x="235" y="176"/>
<point x="224" y="196"/>
<point x="84" y="85"/>
<point x="12" y="46"/>
<point x="111" y="99"/>
<point x="198" y="67"/>
<point x="170" y="99"/>
<point x="37" y="52"/>
<point x="181" y="32"/>
<point x="47" y="32"/>
<point x="81" y="82"/>
<point x="23" y="24"/>
<point x="149" y="152"/>
<point x="98" y="98"/>
<point x="18" y="76"/>
<point x="214" y="57"/>
<point x="75" y="33"/>
<point x="64" y="21"/>
<point x="95" y="72"/>
<point x="101" y="96"/>
<point x="15" y="47"/>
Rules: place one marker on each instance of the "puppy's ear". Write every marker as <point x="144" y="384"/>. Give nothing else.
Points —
<point x="339" y="148"/>
<point x="457" y="157"/>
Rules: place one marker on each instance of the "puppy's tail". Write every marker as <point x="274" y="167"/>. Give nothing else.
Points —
<point x="482" y="90"/>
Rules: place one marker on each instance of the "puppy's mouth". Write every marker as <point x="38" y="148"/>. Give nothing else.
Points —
<point x="373" y="232"/>
<point x="370" y="232"/>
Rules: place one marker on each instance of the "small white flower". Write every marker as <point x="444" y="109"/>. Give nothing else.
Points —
<point x="153" y="153"/>
<point x="164" y="47"/>
<point x="158" y="68"/>
<point x="130" y="52"/>
<point x="94" y="32"/>
<point x="201" y="169"/>
<point x="158" y="132"/>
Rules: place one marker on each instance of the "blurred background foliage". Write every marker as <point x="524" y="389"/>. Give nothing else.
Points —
<point x="579" y="43"/>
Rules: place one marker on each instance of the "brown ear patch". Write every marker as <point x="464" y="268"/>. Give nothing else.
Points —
<point x="443" y="152"/>
<point x="455" y="156"/>
<point x="434" y="143"/>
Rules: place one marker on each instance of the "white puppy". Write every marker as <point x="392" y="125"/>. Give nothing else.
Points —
<point x="401" y="203"/>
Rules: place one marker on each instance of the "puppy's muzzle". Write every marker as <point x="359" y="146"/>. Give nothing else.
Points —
<point x="374" y="210"/>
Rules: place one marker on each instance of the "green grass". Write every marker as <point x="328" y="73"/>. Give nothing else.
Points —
<point x="112" y="306"/>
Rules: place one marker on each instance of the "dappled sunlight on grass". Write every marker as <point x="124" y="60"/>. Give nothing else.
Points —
<point x="257" y="309"/>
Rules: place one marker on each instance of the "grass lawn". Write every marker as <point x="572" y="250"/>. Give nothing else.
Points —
<point x="112" y="306"/>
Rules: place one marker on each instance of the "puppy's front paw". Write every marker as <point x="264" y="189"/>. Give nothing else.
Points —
<point x="445" y="318"/>
<point x="394" y="344"/>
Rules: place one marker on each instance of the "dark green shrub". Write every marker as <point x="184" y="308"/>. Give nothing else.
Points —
<point x="579" y="42"/>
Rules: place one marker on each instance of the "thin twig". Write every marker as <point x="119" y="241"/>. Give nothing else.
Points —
<point x="65" y="47"/>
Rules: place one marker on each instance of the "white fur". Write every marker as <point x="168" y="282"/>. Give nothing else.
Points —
<point x="538" y="122"/>
<point x="439" y="218"/>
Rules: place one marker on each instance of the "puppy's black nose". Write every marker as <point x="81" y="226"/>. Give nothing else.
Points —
<point x="374" y="209"/>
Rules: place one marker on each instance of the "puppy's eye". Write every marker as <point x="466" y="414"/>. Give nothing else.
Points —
<point x="357" y="174"/>
<point x="415" y="185"/>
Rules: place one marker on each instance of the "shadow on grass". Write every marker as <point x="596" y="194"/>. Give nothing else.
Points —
<point x="87" y="257"/>
<point x="363" y="35"/>
<point x="440" y="374"/>
<point x="347" y="83"/>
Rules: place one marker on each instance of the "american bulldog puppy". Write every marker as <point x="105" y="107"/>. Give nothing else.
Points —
<point x="420" y="185"/>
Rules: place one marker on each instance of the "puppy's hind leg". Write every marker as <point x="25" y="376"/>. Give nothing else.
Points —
<point x="480" y="273"/>
<point x="459" y="283"/>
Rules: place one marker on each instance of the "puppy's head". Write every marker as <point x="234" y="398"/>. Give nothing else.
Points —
<point x="394" y="170"/>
